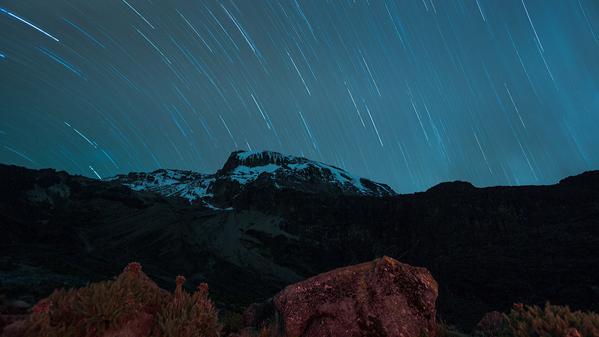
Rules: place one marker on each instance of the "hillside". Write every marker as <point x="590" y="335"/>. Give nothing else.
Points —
<point x="487" y="247"/>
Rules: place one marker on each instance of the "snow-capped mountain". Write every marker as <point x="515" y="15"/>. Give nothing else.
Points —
<point x="62" y="230"/>
<point x="244" y="170"/>
<point x="185" y="184"/>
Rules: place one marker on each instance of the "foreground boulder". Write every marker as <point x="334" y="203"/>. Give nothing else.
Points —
<point x="383" y="298"/>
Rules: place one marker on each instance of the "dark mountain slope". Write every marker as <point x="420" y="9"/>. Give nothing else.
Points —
<point x="487" y="247"/>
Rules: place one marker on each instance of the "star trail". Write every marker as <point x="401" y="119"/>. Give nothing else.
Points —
<point x="409" y="92"/>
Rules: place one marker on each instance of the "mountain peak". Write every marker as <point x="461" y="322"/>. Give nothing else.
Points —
<point x="259" y="158"/>
<point x="245" y="170"/>
<point x="298" y="173"/>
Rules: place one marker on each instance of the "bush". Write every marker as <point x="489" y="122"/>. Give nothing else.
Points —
<point x="534" y="321"/>
<point x="446" y="330"/>
<point x="130" y="305"/>
<point x="188" y="315"/>
<point x="232" y="322"/>
<point x="265" y="331"/>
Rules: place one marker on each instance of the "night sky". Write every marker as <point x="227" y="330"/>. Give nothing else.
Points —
<point x="410" y="93"/>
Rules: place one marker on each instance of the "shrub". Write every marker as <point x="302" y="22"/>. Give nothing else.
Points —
<point x="265" y="331"/>
<point x="493" y="324"/>
<point x="130" y="305"/>
<point x="188" y="315"/>
<point x="232" y="322"/>
<point x="446" y="330"/>
<point x="535" y="321"/>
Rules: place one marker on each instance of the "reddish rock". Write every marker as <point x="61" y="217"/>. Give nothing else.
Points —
<point x="382" y="298"/>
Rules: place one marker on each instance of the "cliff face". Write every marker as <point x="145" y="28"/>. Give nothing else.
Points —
<point x="487" y="247"/>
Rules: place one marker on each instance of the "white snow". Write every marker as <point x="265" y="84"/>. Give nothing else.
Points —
<point x="245" y="174"/>
<point x="340" y="176"/>
<point x="190" y="186"/>
<point x="195" y="186"/>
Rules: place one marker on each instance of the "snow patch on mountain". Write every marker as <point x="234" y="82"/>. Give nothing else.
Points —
<point x="338" y="176"/>
<point x="246" y="174"/>
<point x="185" y="184"/>
<point x="301" y="170"/>
<point x="243" y="168"/>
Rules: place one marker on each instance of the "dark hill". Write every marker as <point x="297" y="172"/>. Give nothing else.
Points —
<point x="487" y="247"/>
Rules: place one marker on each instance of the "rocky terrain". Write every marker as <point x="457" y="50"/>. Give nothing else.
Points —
<point x="267" y="220"/>
<point x="379" y="298"/>
<point x="382" y="298"/>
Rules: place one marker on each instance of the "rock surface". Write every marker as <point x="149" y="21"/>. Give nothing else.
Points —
<point x="383" y="298"/>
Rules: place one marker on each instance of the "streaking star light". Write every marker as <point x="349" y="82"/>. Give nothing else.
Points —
<point x="13" y="15"/>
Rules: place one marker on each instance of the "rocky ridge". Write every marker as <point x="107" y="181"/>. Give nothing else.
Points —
<point x="245" y="170"/>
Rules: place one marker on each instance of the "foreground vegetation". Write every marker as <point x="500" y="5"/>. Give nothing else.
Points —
<point x="535" y="321"/>
<point x="132" y="305"/>
<point x="129" y="306"/>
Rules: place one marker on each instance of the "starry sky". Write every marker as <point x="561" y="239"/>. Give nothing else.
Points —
<point x="408" y="92"/>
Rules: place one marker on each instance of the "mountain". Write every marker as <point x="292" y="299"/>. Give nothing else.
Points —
<point x="249" y="170"/>
<point x="266" y="220"/>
